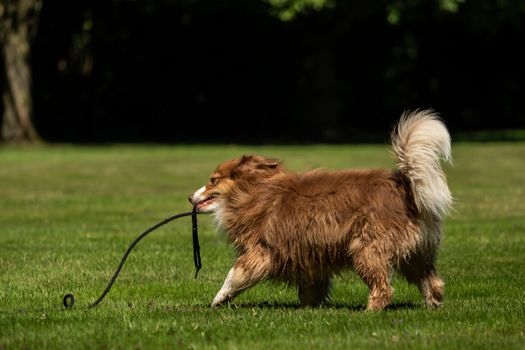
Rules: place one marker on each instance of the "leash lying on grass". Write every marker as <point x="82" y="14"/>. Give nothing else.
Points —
<point x="69" y="299"/>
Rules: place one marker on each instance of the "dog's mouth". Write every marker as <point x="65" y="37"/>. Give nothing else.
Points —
<point x="206" y="202"/>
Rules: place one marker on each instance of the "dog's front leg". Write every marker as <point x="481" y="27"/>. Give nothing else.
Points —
<point x="247" y="271"/>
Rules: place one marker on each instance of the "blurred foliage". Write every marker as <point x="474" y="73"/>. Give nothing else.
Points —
<point x="286" y="10"/>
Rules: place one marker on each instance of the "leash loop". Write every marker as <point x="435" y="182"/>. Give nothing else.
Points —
<point x="69" y="301"/>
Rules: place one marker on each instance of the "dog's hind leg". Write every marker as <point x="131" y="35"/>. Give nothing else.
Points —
<point x="375" y="270"/>
<point x="248" y="270"/>
<point x="420" y="267"/>
<point x="314" y="294"/>
<point x="432" y="288"/>
<point x="420" y="270"/>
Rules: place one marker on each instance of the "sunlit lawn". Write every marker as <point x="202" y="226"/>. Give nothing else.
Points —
<point x="68" y="213"/>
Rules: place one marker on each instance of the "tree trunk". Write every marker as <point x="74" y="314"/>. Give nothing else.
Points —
<point x="19" y="19"/>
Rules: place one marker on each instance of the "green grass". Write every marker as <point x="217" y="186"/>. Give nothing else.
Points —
<point x="68" y="213"/>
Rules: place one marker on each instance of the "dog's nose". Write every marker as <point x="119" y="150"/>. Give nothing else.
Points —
<point x="190" y="198"/>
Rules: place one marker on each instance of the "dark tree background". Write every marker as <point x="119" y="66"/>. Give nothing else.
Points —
<point x="18" y="24"/>
<point x="269" y="70"/>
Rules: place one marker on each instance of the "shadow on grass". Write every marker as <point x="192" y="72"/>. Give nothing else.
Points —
<point x="206" y="307"/>
<point x="297" y="306"/>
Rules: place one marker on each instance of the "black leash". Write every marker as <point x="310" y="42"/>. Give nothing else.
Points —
<point x="69" y="299"/>
<point x="196" y="246"/>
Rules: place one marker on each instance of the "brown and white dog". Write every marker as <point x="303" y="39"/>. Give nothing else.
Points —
<point x="302" y="228"/>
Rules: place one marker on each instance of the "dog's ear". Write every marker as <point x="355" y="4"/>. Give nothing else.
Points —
<point x="250" y="165"/>
<point x="268" y="164"/>
<point x="245" y="159"/>
<point x="240" y="166"/>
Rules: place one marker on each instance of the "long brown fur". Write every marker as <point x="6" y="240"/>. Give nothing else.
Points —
<point x="302" y="228"/>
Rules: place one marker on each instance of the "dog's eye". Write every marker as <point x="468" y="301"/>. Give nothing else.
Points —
<point x="214" y="180"/>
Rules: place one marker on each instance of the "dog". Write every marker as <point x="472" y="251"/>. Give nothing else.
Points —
<point x="303" y="228"/>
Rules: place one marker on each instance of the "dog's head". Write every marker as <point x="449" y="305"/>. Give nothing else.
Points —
<point x="246" y="169"/>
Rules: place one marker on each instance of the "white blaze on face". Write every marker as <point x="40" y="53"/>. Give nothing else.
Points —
<point x="207" y="206"/>
<point x="198" y="195"/>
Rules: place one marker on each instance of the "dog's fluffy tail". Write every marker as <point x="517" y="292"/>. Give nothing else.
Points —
<point x="419" y="142"/>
